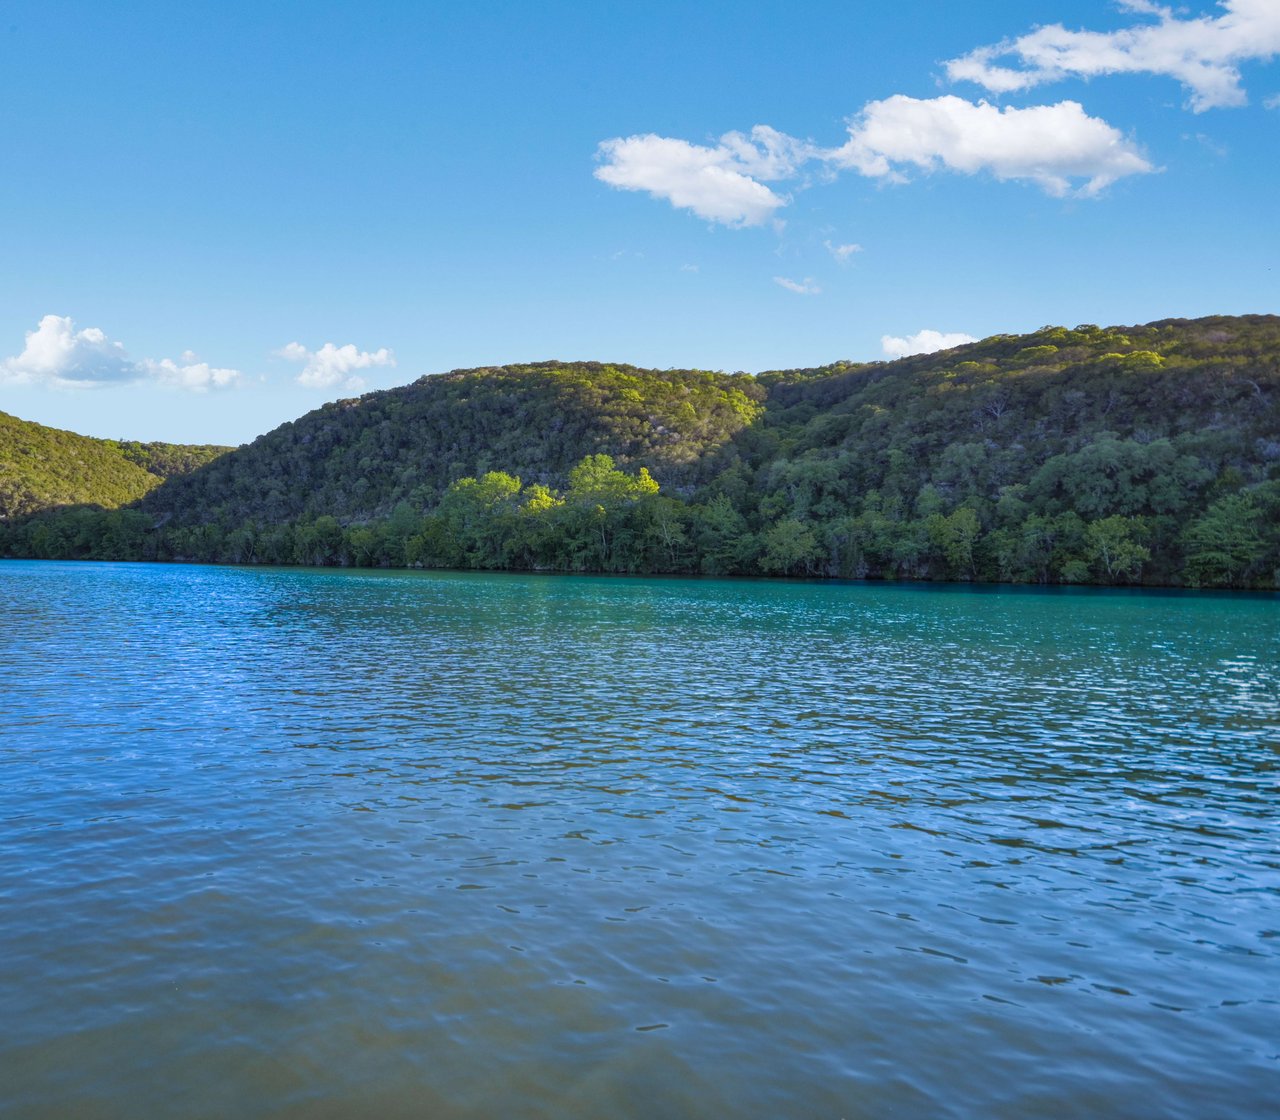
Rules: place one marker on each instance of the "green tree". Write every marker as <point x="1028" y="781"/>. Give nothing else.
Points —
<point x="1112" y="546"/>
<point x="662" y="526"/>
<point x="598" y="503"/>
<point x="790" y="548"/>
<point x="955" y="537"/>
<point x="361" y="546"/>
<point x="479" y="515"/>
<point x="596" y="481"/>
<point x="1224" y="545"/>
<point x="724" y="541"/>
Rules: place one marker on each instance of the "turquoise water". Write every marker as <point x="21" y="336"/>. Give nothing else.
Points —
<point x="295" y="843"/>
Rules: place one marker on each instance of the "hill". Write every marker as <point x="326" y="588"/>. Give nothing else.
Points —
<point x="44" y="468"/>
<point x="1141" y="429"/>
<point x="1124" y="454"/>
<point x="357" y="459"/>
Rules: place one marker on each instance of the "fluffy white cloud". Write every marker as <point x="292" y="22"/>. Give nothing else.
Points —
<point x="57" y="354"/>
<point x="1059" y="147"/>
<point x="332" y="365"/>
<point x="925" y="342"/>
<point x="842" y="253"/>
<point x="721" y="184"/>
<point x="1202" y="53"/>
<point x="805" y="287"/>
<point x="1050" y="145"/>
<point x="1272" y="102"/>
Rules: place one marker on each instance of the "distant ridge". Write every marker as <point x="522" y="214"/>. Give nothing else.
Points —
<point x="1147" y="453"/>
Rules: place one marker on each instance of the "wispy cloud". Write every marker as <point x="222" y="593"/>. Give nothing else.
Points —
<point x="923" y="342"/>
<point x="332" y="365"/>
<point x="58" y="354"/>
<point x="1209" y="144"/>
<point x="805" y="287"/>
<point x="843" y="253"/>
<point x="1202" y="53"/>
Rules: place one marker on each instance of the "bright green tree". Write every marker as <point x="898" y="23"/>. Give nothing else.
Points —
<point x="1112" y="546"/>
<point x="790" y="548"/>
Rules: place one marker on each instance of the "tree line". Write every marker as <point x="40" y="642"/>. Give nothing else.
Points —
<point x="610" y="520"/>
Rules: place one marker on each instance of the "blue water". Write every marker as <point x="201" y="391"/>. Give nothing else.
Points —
<point x="299" y="843"/>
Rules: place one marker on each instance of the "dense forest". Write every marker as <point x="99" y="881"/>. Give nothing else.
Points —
<point x="1146" y="454"/>
<point x="357" y="459"/>
<point x="45" y="468"/>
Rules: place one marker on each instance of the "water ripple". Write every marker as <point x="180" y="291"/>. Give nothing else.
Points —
<point x="300" y="843"/>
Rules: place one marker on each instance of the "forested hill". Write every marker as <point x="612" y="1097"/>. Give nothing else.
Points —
<point x="44" y="468"/>
<point x="1034" y="448"/>
<point x="357" y="459"/>
<point x="1106" y="455"/>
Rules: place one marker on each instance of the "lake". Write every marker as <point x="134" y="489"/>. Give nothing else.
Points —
<point x="318" y="843"/>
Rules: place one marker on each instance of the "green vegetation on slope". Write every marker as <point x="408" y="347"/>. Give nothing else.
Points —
<point x="169" y="460"/>
<point x="1004" y="459"/>
<point x="41" y="468"/>
<point x="45" y="468"/>
<point x="357" y="459"/>
<point x="1138" y="454"/>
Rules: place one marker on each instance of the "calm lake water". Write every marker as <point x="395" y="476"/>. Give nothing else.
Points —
<point x="302" y="843"/>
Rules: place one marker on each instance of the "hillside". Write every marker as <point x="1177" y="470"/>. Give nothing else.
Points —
<point x="1037" y="435"/>
<point x="44" y="468"/>
<point x="1105" y="455"/>
<point x="357" y="459"/>
<point x="169" y="460"/>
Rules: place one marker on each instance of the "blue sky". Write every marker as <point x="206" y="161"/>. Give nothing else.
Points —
<point x="214" y="217"/>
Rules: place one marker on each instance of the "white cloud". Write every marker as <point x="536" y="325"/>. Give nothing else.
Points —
<point x="1202" y="53"/>
<point x="332" y="365"/>
<point x="57" y="354"/>
<point x="805" y="287"/>
<point x="842" y="253"/>
<point x="1272" y="102"/>
<point x="1050" y="145"/>
<point x="767" y="153"/>
<point x="191" y="374"/>
<point x="1059" y="147"/>
<point x="720" y="184"/>
<point x="924" y="342"/>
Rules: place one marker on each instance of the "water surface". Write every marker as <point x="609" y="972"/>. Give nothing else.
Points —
<point x="299" y="843"/>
